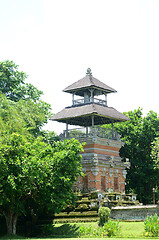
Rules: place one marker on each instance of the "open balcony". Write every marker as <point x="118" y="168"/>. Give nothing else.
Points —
<point x="90" y="132"/>
<point x="88" y="100"/>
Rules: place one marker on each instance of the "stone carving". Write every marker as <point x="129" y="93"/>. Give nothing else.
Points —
<point x="110" y="172"/>
<point x="89" y="72"/>
<point x="95" y="158"/>
<point x="124" y="173"/>
<point x="110" y="190"/>
<point x="95" y="171"/>
<point x="118" y="197"/>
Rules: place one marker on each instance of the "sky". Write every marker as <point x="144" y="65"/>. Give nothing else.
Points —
<point x="55" y="41"/>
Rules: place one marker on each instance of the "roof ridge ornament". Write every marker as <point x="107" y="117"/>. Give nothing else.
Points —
<point x="89" y="72"/>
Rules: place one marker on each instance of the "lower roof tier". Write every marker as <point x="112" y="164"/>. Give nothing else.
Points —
<point x="82" y="115"/>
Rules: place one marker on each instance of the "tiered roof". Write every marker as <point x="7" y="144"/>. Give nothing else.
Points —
<point x="89" y="82"/>
<point x="81" y="114"/>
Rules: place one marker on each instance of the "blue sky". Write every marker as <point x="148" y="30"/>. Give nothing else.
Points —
<point x="55" y="41"/>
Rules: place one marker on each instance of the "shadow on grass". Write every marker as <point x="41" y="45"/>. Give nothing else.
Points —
<point x="65" y="230"/>
<point x="9" y="237"/>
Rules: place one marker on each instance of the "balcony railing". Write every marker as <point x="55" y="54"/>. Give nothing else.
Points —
<point x="93" y="132"/>
<point x="85" y="101"/>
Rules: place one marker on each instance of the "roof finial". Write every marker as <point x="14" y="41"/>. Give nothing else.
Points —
<point x="89" y="72"/>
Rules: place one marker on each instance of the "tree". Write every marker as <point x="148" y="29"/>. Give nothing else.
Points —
<point x="155" y="153"/>
<point x="13" y="85"/>
<point x="49" y="137"/>
<point x="34" y="166"/>
<point x="32" y="171"/>
<point x="155" y="157"/>
<point x="12" y="81"/>
<point x="28" y="98"/>
<point x="138" y="135"/>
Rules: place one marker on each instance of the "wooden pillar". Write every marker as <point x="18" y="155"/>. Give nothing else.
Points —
<point x="86" y="131"/>
<point x="73" y="98"/>
<point x="92" y="98"/>
<point x="92" y="121"/>
<point x="106" y="100"/>
<point x="66" y="129"/>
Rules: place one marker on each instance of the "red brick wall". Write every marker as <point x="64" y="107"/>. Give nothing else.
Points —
<point x="103" y="175"/>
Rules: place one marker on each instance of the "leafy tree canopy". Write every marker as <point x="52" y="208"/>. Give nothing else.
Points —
<point x="12" y="83"/>
<point x="32" y="172"/>
<point x="28" y="98"/>
<point x="34" y="166"/>
<point x="138" y="135"/>
<point x="155" y="152"/>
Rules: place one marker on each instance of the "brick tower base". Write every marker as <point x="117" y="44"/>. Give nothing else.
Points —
<point x="103" y="168"/>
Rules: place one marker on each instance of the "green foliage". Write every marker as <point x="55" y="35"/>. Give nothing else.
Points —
<point x="85" y="231"/>
<point x="35" y="114"/>
<point x="133" y="230"/>
<point x="112" y="228"/>
<point x="103" y="214"/>
<point x="77" y="220"/>
<point x="10" y="119"/>
<point x="21" y="171"/>
<point x="88" y="231"/>
<point x="32" y="172"/>
<point x="11" y="80"/>
<point x="155" y="152"/>
<point x="12" y="83"/>
<point x="20" y="117"/>
<point x="138" y="135"/>
<point x="129" y="230"/>
<point x="49" y="137"/>
<point x="151" y="225"/>
<point x="34" y="111"/>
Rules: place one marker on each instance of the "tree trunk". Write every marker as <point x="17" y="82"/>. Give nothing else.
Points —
<point x="11" y="221"/>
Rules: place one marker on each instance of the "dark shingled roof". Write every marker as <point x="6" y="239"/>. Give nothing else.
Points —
<point x="88" y="82"/>
<point x="82" y="115"/>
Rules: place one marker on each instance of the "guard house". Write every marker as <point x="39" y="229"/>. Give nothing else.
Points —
<point x="101" y="163"/>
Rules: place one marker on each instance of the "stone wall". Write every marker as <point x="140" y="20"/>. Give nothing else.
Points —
<point x="139" y="212"/>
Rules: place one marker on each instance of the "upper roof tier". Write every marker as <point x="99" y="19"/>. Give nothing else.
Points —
<point x="87" y="83"/>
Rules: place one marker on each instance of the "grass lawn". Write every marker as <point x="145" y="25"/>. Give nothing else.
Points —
<point x="129" y="230"/>
<point x="132" y="229"/>
<point x="120" y="238"/>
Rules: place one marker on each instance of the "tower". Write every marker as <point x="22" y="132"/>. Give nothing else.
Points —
<point x="101" y="163"/>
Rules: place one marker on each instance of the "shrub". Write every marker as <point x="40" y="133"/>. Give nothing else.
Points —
<point x="85" y="231"/>
<point x="91" y="232"/>
<point x="151" y="225"/>
<point x="112" y="228"/>
<point x="103" y="213"/>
